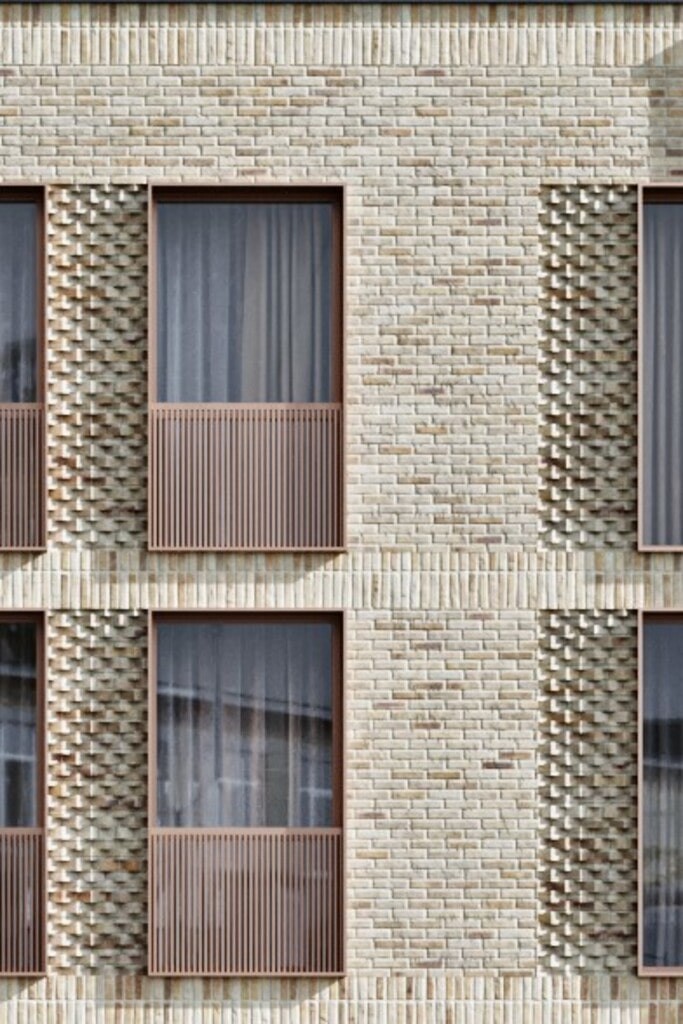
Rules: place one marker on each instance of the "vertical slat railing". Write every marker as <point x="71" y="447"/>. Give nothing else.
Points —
<point x="22" y="901"/>
<point x="245" y="477"/>
<point x="22" y="477"/>
<point x="246" y="902"/>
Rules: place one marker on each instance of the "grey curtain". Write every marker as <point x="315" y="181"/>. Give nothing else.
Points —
<point x="663" y="793"/>
<point x="18" y="297"/>
<point x="663" y="374"/>
<point x="244" y="302"/>
<point x="17" y="725"/>
<point x="244" y="724"/>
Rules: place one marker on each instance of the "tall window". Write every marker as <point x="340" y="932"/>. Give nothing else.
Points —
<point x="661" y="794"/>
<point x="18" y="725"/>
<point x="661" y="368"/>
<point x="22" y="837"/>
<point x="248" y="775"/>
<point x="22" y="411"/>
<point x="19" y="320"/>
<point x="246" y="379"/>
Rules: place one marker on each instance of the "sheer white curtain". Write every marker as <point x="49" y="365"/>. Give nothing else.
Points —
<point x="18" y="314"/>
<point x="663" y="373"/>
<point x="663" y="793"/>
<point x="244" y="724"/>
<point x="17" y="725"/>
<point x="244" y="302"/>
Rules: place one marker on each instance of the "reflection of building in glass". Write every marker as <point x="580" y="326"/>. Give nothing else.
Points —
<point x="18" y="753"/>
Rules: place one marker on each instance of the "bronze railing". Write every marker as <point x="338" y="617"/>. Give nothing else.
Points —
<point x="246" y="902"/>
<point x="245" y="477"/>
<point x="22" y="901"/>
<point x="22" y="477"/>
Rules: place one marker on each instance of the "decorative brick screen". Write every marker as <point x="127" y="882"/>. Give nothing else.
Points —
<point x="588" y="355"/>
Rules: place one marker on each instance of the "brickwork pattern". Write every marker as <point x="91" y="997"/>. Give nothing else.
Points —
<point x="97" y="792"/>
<point x="588" y="791"/>
<point x="588" y="363"/>
<point x="448" y="124"/>
<point x="422" y="998"/>
<point x="97" y="365"/>
<point x="441" y="800"/>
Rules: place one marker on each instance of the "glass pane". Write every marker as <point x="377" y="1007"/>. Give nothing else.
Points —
<point x="18" y="731"/>
<point x="245" y="724"/>
<point x="663" y="374"/>
<point x="18" y="299"/>
<point x="663" y="793"/>
<point x="244" y="302"/>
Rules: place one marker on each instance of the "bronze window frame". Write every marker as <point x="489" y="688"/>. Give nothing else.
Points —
<point x="39" y="830"/>
<point x="648" y="193"/>
<point x="37" y="461"/>
<point x="330" y="513"/>
<point x="337" y="619"/>
<point x="643" y="971"/>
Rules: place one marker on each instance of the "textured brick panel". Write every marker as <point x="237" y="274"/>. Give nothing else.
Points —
<point x="588" y="357"/>
<point x="97" y="365"/>
<point x="588" y="786"/>
<point x="97" y="791"/>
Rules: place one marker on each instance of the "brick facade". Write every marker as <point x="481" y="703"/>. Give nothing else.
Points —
<point x="490" y="156"/>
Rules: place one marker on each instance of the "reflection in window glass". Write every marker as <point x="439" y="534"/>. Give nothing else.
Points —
<point x="663" y="792"/>
<point x="244" y="724"/>
<point x="18" y="752"/>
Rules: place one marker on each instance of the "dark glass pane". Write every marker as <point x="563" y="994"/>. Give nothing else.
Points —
<point x="244" y="302"/>
<point x="662" y="427"/>
<point x="663" y="793"/>
<point x="18" y="301"/>
<point x="18" y="751"/>
<point x="245" y="724"/>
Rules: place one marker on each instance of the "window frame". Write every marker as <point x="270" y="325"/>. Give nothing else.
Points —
<point x="39" y="618"/>
<point x="36" y="194"/>
<point x="236" y="192"/>
<point x="643" y="971"/>
<point x="36" y="467"/>
<point x="336" y="618"/>
<point x="648" y="193"/>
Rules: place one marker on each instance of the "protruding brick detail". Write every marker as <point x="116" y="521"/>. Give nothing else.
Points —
<point x="588" y="786"/>
<point x="588" y="362"/>
<point x="97" y="365"/>
<point x="97" y="791"/>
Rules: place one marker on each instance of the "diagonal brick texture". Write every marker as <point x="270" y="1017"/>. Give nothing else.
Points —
<point x="97" y="791"/>
<point x="587" y="787"/>
<point x="97" y="365"/>
<point x="587" y="356"/>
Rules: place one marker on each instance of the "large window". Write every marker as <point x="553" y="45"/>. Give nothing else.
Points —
<point x="247" y="301"/>
<point x="661" y="794"/>
<point x="247" y="794"/>
<point x="246" y="369"/>
<point x="22" y="838"/>
<point x="22" y="376"/>
<point x="245" y="723"/>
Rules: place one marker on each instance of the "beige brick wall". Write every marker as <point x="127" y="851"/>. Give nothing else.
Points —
<point x="490" y="156"/>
